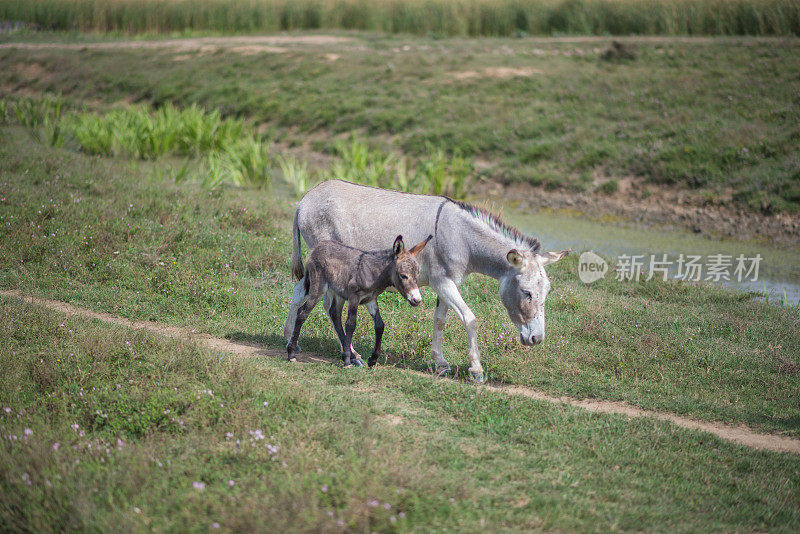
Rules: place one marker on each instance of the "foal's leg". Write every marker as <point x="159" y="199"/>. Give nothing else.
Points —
<point x="448" y="292"/>
<point x="349" y="328"/>
<point x="372" y="308"/>
<point x="334" y="309"/>
<point x="439" y="320"/>
<point x="335" y="314"/>
<point x="332" y="300"/>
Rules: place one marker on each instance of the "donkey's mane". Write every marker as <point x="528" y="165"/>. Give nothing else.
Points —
<point x="496" y="223"/>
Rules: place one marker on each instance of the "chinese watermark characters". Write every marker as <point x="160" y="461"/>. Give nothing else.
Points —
<point x="686" y="267"/>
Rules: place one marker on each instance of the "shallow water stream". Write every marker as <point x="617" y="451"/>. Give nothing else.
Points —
<point x="778" y="268"/>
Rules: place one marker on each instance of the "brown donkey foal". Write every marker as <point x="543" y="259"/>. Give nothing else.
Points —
<point x="358" y="277"/>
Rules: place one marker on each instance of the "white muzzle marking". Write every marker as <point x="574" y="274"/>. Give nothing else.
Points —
<point x="414" y="297"/>
<point x="532" y="333"/>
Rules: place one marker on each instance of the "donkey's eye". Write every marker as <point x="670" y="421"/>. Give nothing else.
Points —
<point x="403" y="277"/>
<point x="526" y="294"/>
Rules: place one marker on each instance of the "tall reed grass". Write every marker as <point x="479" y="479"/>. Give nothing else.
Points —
<point x="437" y="17"/>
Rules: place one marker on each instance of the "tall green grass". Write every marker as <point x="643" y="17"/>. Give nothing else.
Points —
<point x="41" y="116"/>
<point x="143" y="134"/>
<point x="246" y="162"/>
<point x="296" y="174"/>
<point x="137" y="131"/>
<point x="435" y="172"/>
<point x="228" y="150"/>
<point x="437" y="17"/>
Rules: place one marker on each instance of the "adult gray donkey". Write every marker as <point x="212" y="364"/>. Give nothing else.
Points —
<point x="466" y="240"/>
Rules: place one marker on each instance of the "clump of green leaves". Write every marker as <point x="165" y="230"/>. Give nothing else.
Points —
<point x="435" y="173"/>
<point x="41" y="116"/>
<point x="610" y="187"/>
<point x="246" y="162"/>
<point x="296" y="174"/>
<point x="441" y="174"/>
<point x="231" y="152"/>
<point x="138" y="132"/>
<point x="361" y="164"/>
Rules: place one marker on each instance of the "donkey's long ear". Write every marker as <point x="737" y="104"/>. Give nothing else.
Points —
<point x="399" y="247"/>
<point x="552" y="257"/>
<point x="515" y="258"/>
<point x="416" y="249"/>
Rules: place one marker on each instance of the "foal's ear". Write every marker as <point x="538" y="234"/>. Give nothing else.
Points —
<point x="416" y="249"/>
<point x="399" y="247"/>
<point x="552" y="257"/>
<point x="515" y="258"/>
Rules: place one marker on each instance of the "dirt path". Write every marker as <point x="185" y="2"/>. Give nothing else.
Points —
<point x="736" y="434"/>
<point x="204" y="43"/>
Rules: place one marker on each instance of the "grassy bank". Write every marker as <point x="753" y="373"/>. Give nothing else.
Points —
<point x="715" y="118"/>
<point x="218" y="151"/>
<point x="114" y="235"/>
<point x="438" y="17"/>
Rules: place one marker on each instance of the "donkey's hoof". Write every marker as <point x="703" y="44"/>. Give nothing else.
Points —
<point x="477" y="377"/>
<point x="291" y="359"/>
<point x="443" y="371"/>
<point x="358" y="362"/>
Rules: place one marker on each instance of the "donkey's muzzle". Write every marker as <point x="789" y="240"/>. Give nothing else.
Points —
<point x="414" y="297"/>
<point x="530" y="340"/>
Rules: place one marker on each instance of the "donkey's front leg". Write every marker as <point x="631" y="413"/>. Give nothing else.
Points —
<point x="349" y="328"/>
<point x="439" y="320"/>
<point x="448" y="291"/>
<point x="372" y="308"/>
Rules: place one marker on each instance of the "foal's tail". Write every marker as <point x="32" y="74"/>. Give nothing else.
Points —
<point x="297" y="257"/>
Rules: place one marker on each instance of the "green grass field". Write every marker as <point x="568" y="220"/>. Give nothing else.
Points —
<point x="110" y="429"/>
<point x="377" y="450"/>
<point x="110" y="208"/>
<point x="116" y="236"/>
<point x="716" y="118"/>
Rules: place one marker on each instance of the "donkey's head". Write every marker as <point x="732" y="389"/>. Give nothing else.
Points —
<point x="524" y="289"/>
<point x="405" y="270"/>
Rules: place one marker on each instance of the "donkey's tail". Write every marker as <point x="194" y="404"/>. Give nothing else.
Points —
<point x="297" y="257"/>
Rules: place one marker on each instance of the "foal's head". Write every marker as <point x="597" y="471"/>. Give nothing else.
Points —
<point x="406" y="270"/>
